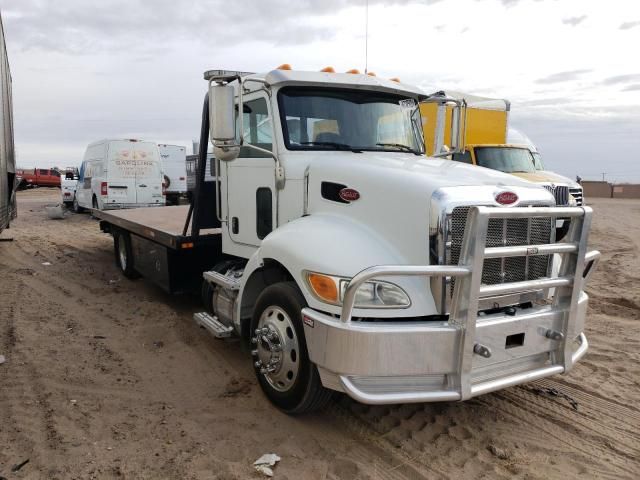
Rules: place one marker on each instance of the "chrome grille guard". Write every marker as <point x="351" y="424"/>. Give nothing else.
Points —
<point x="576" y="267"/>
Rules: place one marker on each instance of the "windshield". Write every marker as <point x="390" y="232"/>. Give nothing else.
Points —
<point x="341" y="119"/>
<point x="537" y="161"/>
<point x="509" y="160"/>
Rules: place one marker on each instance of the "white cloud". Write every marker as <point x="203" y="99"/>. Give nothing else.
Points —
<point x="86" y="70"/>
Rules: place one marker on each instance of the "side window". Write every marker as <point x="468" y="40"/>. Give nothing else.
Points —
<point x="463" y="157"/>
<point x="43" y="172"/>
<point x="257" y="128"/>
<point x="55" y="173"/>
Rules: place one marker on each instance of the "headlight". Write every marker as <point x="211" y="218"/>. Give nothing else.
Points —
<point x="373" y="294"/>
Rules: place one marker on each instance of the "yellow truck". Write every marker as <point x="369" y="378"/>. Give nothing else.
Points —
<point x="485" y="139"/>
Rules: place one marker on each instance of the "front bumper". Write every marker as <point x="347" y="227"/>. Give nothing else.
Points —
<point x="402" y="362"/>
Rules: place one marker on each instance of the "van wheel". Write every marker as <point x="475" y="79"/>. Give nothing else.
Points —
<point x="281" y="362"/>
<point x="76" y="206"/>
<point x="124" y="255"/>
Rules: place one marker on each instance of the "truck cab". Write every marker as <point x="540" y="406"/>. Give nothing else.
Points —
<point x="355" y="263"/>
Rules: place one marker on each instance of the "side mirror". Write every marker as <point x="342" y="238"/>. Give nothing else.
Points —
<point x="222" y="114"/>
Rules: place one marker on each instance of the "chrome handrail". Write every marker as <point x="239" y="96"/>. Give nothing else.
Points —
<point x="349" y="299"/>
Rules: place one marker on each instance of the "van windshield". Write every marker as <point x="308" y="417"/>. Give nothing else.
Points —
<point x="509" y="160"/>
<point x="343" y="119"/>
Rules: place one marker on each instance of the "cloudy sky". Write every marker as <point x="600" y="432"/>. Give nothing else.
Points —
<point x="88" y="70"/>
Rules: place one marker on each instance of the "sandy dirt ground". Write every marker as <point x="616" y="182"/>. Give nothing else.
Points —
<point x="110" y="378"/>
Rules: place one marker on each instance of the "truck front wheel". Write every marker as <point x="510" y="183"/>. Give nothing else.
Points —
<point x="280" y="356"/>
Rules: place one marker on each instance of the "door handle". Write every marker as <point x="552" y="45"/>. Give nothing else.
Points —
<point x="142" y="185"/>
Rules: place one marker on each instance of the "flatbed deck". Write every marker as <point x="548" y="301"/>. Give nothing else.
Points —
<point x="157" y="248"/>
<point x="162" y="225"/>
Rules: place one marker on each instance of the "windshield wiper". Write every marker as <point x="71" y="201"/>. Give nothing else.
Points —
<point x="336" y="145"/>
<point x="404" y="148"/>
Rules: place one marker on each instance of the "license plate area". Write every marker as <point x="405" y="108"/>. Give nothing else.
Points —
<point x="512" y="337"/>
<point x="515" y="340"/>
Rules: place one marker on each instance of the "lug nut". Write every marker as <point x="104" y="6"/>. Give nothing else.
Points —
<point x="258" y="364"/>
<point x="254" y="353"/>
<point x="254" y="340"/>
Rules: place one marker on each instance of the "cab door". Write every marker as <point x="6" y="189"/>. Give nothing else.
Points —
<point x="250" y="183"/>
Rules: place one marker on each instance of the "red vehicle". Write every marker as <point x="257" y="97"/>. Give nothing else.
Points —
<point x="38" y="177"/>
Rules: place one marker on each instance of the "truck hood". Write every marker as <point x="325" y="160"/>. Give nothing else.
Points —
<point x="409" y="168"/>
<point x="544" y="176"/>
<point x="395" y="193"/>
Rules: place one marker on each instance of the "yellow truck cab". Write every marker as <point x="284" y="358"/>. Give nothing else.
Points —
<point x="475" y="130"/>
<point x="525" y="162"/>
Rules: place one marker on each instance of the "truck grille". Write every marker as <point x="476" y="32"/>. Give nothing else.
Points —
<point x="560" y="193"/>
<point x="577" y="194"/>
<point x="504" y="232"/>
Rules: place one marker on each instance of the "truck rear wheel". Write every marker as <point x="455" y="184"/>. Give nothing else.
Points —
<point x="281" y="361"/>
<point x="124" y="255"/>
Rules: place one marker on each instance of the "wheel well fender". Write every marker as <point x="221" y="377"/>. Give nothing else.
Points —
<point x="336" y="245"/>
<point x="259" y="274"/>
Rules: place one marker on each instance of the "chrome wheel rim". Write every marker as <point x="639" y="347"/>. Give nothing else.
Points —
<point x="122" y="254"/>
<point x="277" y="352"/>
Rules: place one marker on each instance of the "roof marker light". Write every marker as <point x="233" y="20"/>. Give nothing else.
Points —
<point x="371" y="74"/>
<point x="395" y="79"/>
<point x="353" y="70"/>
<point x="284" y="66"/>
<point x="328" y="70"/>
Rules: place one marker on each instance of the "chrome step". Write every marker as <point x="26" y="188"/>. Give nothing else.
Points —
<point x="211" y="323"/>
<point x="222" y="280"/>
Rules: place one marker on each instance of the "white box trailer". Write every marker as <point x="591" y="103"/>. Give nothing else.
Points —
<point x="174" y="169"/>
<point x="7" y="154"/>
<point x="352" y="262"/>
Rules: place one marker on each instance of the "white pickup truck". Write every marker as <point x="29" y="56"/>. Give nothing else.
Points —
<point x="68" y="185"/>
<point x="350" y="261"/>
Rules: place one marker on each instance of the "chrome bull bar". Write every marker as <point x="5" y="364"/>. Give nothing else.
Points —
<point x="576" y="267"/>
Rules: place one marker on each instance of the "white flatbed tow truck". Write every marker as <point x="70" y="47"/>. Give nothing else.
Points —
<point x="351" y="262"/>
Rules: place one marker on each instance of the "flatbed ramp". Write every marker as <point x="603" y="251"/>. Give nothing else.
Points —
<point x="160" y="247"/>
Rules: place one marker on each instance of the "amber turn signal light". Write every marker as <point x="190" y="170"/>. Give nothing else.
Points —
<point x="324" y="287"/>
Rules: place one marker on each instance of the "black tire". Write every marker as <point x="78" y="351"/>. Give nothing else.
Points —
<point x="124" y="254"/>
<point x="306" y="394"/>
<point x="76" y="206"/>
<point x="206" y="293"/>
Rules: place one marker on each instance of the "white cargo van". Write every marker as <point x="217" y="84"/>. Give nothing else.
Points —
<point x="120" y="174"/>
<point x="174" y="168"/>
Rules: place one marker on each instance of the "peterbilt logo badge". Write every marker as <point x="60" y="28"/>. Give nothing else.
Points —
<point x="349" y="194"/>
<point x="506" y="198"/>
